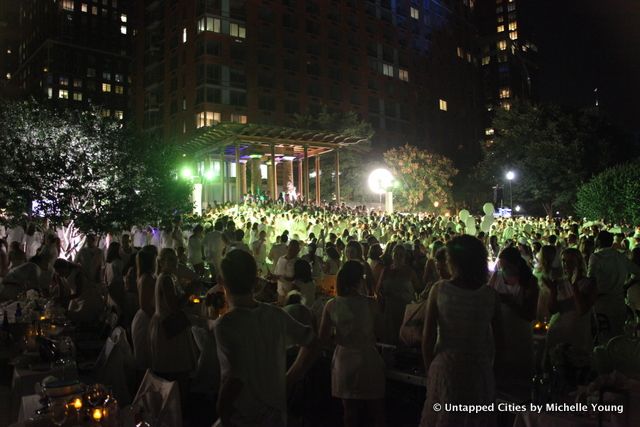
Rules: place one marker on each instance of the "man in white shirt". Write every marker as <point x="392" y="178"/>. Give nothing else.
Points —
<point x="252" y="340"/>
<point x="284" y="270"/>
<point x="259" y="250"/>
<point x="213" y="247"/>
<point x="279" y="249"/>
<point x="90" y="259"/>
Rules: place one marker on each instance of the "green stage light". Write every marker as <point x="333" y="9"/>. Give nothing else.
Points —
<point x="186" y="172"/>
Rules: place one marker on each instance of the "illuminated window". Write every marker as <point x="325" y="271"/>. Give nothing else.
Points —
<point x="77" y="83"/>
<point x="207" y="118"/>
<point x="106" y="75"/>
<point x="123" y="17"/>
<point x="459" y="52"/>
<point x="49" y="93"/>
<point x="239" y="118"/>
<point x="415" y="13"/>
<point x="500" y="19"/>
<point x="468" y="57"/>
<point x="67" y="5"/>
<point x="118" y="114"/>
<point x="184" y="104"/>
<point x="511" y="7"/>
<point x="506" y="106"/>
<point x="404" y="75"/>
<point x="119" y="78"/>
<point x="106" y="87"/>
<point x="505" y="92"/>
<point x="237" y="30"/>
<point x="184" y="35"/>
<point x="513" y="26"/>
<point x="8" y="76"/>
<point x="94" y="10"/>
<point x="77" y="96"/>
<point x="502" y="45"/>
<point x="91" y="72"/>
<point x="105" y="112"/>
<point x="63" y="94"/>
<point x="500" y="28"/>
<point x="443" y="104"/>
<point x="119" y="89"/>
<point x="486" y="60"/>
<point x="84" y="7"/>
<point x="123" y="29"/>
<point x="64" y="81"/>
<point x="387" y="70"/>
<point x="489" y="131"/>
<point x="209" y="23"/>
<point x="513" y="35"/>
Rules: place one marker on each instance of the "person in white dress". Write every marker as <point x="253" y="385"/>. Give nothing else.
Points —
<point x="357" y="369"/>
<point x="284" y="270"/>
<point x="195" y="250"/>
<point x="458" y="347"/>
<point x="570" y="302"/>
<point x="146" y="283"/>
<point x="517" y="290"/>
<point x="259" y="250"/>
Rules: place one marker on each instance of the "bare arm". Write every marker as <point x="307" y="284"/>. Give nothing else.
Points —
<point x="146" y="295"/>
<point x="430" y="328"/>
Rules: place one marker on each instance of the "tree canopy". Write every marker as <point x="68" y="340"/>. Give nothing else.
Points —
<point x="77" y="166"/>
<point x="551" y="152"/>
<point x="424" y="178"/>
<point x="613" y="195"/>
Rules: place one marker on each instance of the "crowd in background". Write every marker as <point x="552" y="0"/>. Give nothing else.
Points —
<point x="479" y="298"/>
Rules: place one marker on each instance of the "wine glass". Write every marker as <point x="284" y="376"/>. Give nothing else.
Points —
<point x="58" y="413"/>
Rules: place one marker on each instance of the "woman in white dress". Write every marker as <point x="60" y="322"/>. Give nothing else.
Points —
<point x="457" y="344"/>
<point x="357" y="371"/>
<point x="397" y="288"/>
<point x="570" y="302"/>
<point x="146" y="283"/>
<point x="517" y="290"/>
<point x="172" y="346"/>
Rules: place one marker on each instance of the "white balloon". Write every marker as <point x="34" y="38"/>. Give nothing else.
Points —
<point x="463" y="215"/>
<point x="486" y="223"/>
<point x="488" y="208"/>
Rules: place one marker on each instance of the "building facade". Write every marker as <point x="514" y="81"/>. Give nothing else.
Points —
<point x="9" y="36"/>
<point x="508" y="54"/>
<point x="409" y="68"/>
<point x="74" y="53"/>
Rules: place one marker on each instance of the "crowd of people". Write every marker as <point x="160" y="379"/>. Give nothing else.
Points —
<point x="263" y="270"/>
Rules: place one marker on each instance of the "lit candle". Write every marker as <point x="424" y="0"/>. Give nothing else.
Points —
<point x="97" y="414"/>
<point x="196" y="300"/>
<point x="43" y="318"/>
<point x="77" y="404"/>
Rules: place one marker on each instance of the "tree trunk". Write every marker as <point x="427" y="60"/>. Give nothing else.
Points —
<point x="548" y="208"/>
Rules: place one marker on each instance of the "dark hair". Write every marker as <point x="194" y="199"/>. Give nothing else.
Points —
<point x="197" y="228"/>
<point x="284" y="238"/>
<point x="302" y="271"/>
<point x="349" y="277"/>
<point x="512" y="256"/>
<point x="37" y="259"/>
<point x="113" y="252"/>
<point x="468" y="258"/>
<point x="294" y="298"/>
<point x="375" y="252"/>
<point x="605" y="239"/>
<point x="333" y="253"/>
<point x="239" y="235"/>
<point x="239" y="271"/>
<point x="145" y="262"/>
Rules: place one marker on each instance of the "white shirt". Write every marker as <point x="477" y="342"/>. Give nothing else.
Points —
<point x="284" y="268"/>
<point x="194" y="250"/>
<point x="252" y="345"/>
<point x="16" y="234"/>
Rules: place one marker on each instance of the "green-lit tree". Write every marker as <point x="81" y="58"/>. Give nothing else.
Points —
<point x="424" y="178"/>
<point x="75" y="167"/>
<point x="613" y="195"/>
<point x="352" y="173"/>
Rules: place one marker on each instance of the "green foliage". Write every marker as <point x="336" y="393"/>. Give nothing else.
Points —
<point x="77" y="166"/>
<point x="424" y="177"/>
<point x="352" y="174"/>
<point x="613" y="195"/>
<point x="551" y="151"/>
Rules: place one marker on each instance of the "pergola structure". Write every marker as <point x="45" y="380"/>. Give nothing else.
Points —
<point x="252" y="145"/>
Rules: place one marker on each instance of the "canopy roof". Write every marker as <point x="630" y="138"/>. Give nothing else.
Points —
<point x="256" y="139"/>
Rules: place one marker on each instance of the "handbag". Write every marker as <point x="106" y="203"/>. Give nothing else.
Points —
<point x="412" y="324"/>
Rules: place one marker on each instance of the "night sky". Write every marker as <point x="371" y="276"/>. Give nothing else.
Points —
<point x="586" y="44"/>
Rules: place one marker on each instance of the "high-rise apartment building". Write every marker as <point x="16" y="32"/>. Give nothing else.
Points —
<point x="408" y="67"/>
<point x="74" y="53"/>
<point x="9" y="36"/>
<point x="508" y="53"/>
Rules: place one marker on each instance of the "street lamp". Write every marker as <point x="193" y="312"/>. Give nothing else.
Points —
<point x="510" y="176"/>
<point x="380" y="182"/>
